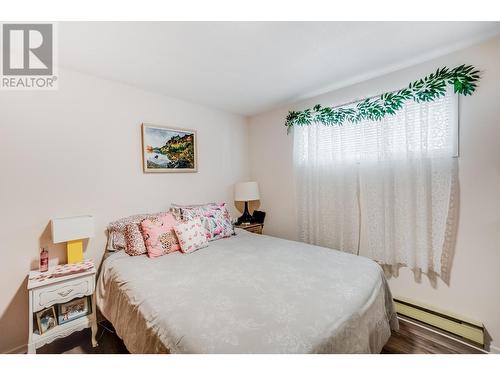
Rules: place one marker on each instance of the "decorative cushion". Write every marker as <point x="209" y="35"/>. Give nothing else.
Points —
<point x="176" y="212"/>
<point x="134" y="240"/>
<point x="159" y="235"/>
<point x="215" y="218"/>
<point x="191" y="235"/>
<point x="176" y="209"/>
<point x="116" y="230"/>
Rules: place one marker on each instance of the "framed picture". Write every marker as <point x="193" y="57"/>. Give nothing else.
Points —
<point x="66" y="312"/>
<point x="46" y="319"/>
<point x="168" y="149"/>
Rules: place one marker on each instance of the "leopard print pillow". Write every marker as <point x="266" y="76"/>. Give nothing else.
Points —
<point x="134" y="240"/>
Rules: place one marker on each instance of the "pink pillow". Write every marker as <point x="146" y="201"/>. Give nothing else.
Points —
<point x="192" y="235"/>
<point x="159" y="235"/>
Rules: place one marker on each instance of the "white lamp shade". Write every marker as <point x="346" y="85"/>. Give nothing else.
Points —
<point x="246" y="191"/>
<point x="72" y="228"/>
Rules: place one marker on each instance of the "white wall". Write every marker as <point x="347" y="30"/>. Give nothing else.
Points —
<point x="474" y="289"/>
<point x="77" y="151"/>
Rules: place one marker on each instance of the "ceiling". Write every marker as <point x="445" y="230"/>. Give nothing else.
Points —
<point x="251" y="67"/>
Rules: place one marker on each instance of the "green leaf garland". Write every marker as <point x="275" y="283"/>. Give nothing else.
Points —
<point x="464" y="79"/>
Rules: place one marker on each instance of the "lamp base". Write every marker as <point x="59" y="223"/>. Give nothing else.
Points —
<point x="74" y="251"/>
<point x="246" y="217"/>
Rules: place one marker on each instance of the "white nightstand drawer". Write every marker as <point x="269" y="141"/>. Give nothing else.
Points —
<point x="51" y="294"/>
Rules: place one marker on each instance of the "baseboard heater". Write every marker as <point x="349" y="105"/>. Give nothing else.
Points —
<point x="459" y="326"/>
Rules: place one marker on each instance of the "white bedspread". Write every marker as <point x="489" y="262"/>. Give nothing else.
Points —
<point x="248" y="294"/>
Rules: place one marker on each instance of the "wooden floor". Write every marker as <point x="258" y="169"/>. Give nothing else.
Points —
<point x="79" y="343"/>
<point x="411" y="339"/>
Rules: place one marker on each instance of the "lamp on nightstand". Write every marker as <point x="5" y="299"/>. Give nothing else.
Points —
<point x="73" y="230"/>
<point x="245" y="192"/>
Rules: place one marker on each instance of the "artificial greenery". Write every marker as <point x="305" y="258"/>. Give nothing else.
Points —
<point x="464" y="79"/>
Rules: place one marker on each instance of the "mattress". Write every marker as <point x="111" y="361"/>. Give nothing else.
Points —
<point x="248" y="293"/>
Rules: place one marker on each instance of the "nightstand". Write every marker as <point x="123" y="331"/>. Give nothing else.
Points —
<point x="254" y="228"/>
<point x="48" y="292"/>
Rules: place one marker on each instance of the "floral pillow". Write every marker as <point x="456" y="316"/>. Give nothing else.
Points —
<point x="191" y="235"/>
<point x="215" y="218"/>
<point x="134" y="240"/>
<point x="176" y="209"/>
<point x="159" y="235"/>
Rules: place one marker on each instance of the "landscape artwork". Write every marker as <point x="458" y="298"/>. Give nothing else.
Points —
<point x="168" y="149"/>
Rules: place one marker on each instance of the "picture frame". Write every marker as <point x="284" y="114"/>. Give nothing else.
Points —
<point x="168" y="149"/>
<point x="74" y="309"/>
<point x="46" y="319"/>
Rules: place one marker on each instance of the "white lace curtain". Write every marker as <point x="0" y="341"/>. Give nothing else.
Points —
<point x="388" y="185"/>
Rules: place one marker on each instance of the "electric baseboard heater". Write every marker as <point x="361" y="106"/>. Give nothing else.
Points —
<point x="459" y="326"/>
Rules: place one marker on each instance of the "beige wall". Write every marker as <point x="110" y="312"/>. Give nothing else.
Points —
<point x="78" y="151"/>
<point x="474" y="289"/>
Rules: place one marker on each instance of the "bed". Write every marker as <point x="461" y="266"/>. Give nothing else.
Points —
<point x="248" y="293"/>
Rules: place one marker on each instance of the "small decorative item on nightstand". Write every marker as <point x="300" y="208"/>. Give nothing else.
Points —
<point x="72" y="296"/>
<point x="46" y="319"/>
<point x="66" y="312"/>
<point x="44" y="260"/>
<point x="254" y="228"/>
<point x="259" y="217"/>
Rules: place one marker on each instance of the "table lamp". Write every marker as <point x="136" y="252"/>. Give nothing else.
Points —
<point x="73" y="230"/>
<point x="245" y="192"/>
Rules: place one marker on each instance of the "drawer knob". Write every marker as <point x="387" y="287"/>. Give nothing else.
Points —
<point x="65" y="293"/>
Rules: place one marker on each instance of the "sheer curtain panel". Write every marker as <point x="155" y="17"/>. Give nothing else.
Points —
<point x="389" y="185"/>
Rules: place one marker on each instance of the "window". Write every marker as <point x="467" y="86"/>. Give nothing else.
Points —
<point x="389" y="182"/>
